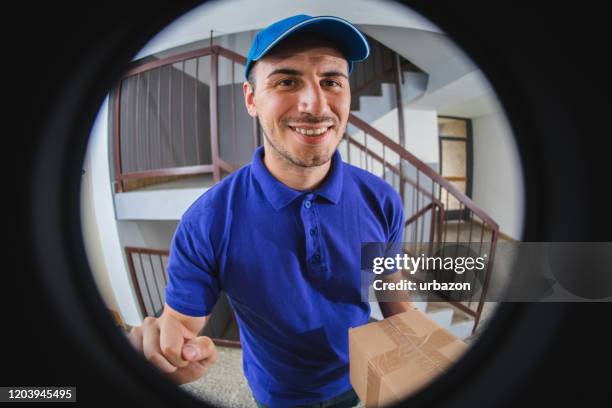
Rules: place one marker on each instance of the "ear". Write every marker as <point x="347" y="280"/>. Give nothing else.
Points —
<point x="249" y="99"/>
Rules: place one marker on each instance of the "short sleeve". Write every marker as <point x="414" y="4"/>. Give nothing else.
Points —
<point x="395" y="217"/>
<point x="396" y="232"/>
<point x="193" y="285"/>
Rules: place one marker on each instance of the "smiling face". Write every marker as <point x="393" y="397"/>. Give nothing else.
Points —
<point x="302" y="99"/>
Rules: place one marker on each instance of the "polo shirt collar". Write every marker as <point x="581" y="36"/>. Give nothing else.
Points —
<point x="279" y="195"/>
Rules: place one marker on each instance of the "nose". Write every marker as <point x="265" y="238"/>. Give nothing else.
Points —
<point x="312" y="100"/>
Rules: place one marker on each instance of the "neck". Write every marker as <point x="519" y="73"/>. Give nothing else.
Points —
<point x="293" y="176"/>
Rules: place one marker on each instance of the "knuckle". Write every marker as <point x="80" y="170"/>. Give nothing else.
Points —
<point x="212" y="348"/>
<point x="206" y="343"/>
<point x="149" y="320"/>
<point x="162" y="364"/>
<point x="169" y="351"/>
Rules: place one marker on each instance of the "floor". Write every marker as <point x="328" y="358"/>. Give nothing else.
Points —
<point x="224" y="385"/>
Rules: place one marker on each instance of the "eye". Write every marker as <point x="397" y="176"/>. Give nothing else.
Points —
<point x="331" y="82"/>
<point x="286" y="82"/>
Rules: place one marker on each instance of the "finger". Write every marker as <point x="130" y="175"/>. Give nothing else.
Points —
<point x="152" y="351"/>
<point x="196" y="370"/>
<point x="188" y="374"/>
<point x="188" y="334"/>
<point x="200" y="349"/>
<point x="171" y="343"/>
<point x="135" y="337"/>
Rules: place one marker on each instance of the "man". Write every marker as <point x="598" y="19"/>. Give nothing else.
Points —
<point x="282" y="236"/>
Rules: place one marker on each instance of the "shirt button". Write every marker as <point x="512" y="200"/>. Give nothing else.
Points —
<point x="316" y="257"/>
<point x="313" y="231"/>
<point x="307" y="204"/>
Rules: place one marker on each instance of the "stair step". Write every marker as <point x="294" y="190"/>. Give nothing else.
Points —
<point x="460" y="317"/>
<point x="461" y="330"/>
<point x="440" y="313"/>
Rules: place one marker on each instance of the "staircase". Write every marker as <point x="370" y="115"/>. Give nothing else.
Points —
<point x="370" y="77"/>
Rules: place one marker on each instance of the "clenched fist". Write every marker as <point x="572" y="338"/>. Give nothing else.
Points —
<point x="173" y="348"/>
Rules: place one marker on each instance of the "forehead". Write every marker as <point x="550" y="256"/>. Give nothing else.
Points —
<point x="315" y="50"/>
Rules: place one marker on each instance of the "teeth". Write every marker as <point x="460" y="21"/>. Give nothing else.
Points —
<point x="310" y="132"/>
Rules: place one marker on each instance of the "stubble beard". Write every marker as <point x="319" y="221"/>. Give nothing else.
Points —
<point x="314" y="160"/>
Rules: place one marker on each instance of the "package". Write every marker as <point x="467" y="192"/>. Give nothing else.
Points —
<point x="394" y="357"/>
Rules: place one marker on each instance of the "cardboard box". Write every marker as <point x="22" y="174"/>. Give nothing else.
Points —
<point x="394" y="357"/>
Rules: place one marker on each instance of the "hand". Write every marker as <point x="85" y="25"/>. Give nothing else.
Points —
<point x="173" y="349"/>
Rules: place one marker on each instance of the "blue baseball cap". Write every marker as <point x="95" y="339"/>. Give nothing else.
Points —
<point x="347" y="37"/>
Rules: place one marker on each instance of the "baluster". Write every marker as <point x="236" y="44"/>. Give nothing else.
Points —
<point x="137" y="117"/>
<point x="170" y="124"/>
<point x="184" y="161"/>
<point x="147" y="135"/>
<point x="128" y="135"/>
<point x="144" y="278"/>
<point x="233" y="103"/>
<point x="197" y="88"/>
<point x="159" y="75"/>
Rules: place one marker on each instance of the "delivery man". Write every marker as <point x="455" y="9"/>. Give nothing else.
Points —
<point x="282" y="236"/>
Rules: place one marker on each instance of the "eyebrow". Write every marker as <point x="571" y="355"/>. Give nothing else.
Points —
<point x="291" y="71"/>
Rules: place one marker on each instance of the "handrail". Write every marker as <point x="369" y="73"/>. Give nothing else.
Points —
<point x="424" y="168"/>
<point x="229" y="54"/>
<point x="138" y="67"/>
<point x="395" y="170"/>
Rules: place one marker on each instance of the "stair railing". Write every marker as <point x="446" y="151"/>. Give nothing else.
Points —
<point x="428" y="201"/>
<point x="181" y="116"/>
<point x="149" y="276"/>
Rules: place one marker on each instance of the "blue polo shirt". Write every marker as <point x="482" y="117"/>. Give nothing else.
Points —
<point x="289" y="262"/>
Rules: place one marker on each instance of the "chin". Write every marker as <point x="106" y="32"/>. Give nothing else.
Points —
<point x="313" y="157"/>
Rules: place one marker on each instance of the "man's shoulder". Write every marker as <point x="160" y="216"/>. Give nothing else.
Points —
<point x="217" y="197"/>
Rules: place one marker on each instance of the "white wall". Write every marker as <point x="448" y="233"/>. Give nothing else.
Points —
<point x="498" y="179"/>
<point x="102" y="239"/>
<point x="91" y="237"/>
<point x="147" y="234"/>
<point x="163" y="204"/>
<point x="421" y="132"/>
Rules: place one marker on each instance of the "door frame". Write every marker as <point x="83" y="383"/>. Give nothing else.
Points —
<point x="469" y="163"/>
